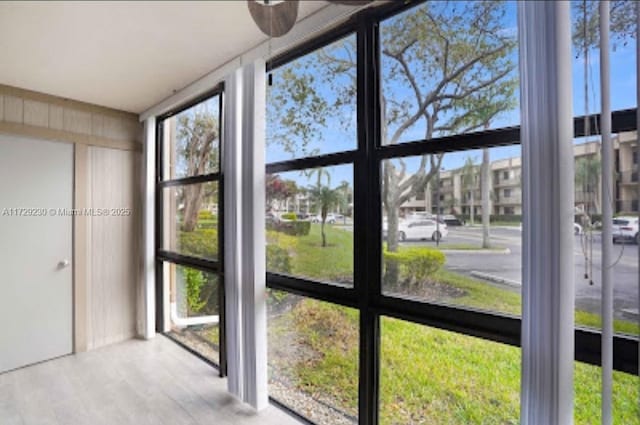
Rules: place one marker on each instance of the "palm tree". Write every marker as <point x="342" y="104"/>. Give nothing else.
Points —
<point x="326" y="198"/>
<point x="587" y="179"/>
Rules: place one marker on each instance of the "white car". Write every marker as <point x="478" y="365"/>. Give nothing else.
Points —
<point x="422" y="229"/>
<point x="625" y="229"/>
<point x="331" y="219"/>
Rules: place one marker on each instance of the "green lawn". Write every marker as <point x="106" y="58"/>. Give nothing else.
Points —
<point x="428" y="376"/>
<point x="333" y="262"/>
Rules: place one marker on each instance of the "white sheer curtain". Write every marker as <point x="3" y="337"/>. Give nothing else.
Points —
<point x="544" y="30"/>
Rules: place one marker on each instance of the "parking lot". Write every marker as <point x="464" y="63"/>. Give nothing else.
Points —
<point x="509" y="265"/>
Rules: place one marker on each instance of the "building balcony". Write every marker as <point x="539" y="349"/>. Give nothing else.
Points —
<point x="628" y="177"/>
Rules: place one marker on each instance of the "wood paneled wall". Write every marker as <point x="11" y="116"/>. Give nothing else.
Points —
<point x="107" y="258"/>
<point x="113" y="245"/>
<point x="43" y="116"/>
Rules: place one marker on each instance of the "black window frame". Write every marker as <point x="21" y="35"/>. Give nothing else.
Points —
<point x="366" y="159"/>
<point x="213" y="266"/>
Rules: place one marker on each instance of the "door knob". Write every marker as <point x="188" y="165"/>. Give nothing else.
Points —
<point x="64" y="263"/>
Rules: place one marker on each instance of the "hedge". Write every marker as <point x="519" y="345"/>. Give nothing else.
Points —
<point x="293" y="228"/>
<point x="416" y="264"/>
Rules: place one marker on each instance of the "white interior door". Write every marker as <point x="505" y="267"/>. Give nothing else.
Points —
<point x="36" y="309"/>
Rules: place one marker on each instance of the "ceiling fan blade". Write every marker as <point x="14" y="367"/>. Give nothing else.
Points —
<point x="275" y="20"/>
<point x="351" y="2"/>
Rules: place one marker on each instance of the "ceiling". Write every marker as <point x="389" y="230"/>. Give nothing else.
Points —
<point x="123" y="55"/>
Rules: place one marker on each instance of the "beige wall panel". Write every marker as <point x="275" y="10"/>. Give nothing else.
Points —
<point x="55" y="117"/>
<point x="77" y="121"/>
<point x="13" y="109"/>
<point x="33" y="114"/>
<point x="80" y="249"/>
<point x="65" y="136"/>
<point x="114" y="128"/>
<point x="113" y="244"/>
<point x="97" y="125"/>
<point x="36" y="113"/>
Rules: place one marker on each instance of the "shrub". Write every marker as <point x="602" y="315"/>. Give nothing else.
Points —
<point x="416" y="264"/>
<point x="205" y="215"/>
<point x="194" y="281"/>
<point x="289" y="216"/>
<point x="280" y="248"/>
<point x="200" y="243"/>
<point x="278" y="259"/>
<point x="293" y="228"/>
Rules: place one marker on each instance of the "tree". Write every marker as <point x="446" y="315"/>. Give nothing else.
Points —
<point x="587" y="180"/>
<point x="325" y="198"/>
<point x="485" y="191"/>
<point x="469" y="177"/>
<point x="278" y="189"/>
<point x="197" y="132"/>
<point x="586" y="34"/>
<point x="441" y="63"/>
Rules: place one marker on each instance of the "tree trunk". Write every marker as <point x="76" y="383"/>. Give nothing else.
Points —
<point x="484" y="186"/>
<point x="324" y="237"/>
<point x="192" y="202"/>
<point x="392" y="272"/>
<point x="472" y="206"/>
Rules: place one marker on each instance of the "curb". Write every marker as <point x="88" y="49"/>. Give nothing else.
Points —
<point x="477" y="251"/>
<point x="634" y="313"/>
<point x="496" y="279"/>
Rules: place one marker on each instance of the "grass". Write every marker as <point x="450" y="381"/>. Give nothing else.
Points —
<point x="428" y="376"/>
<point x="333" y="262"/>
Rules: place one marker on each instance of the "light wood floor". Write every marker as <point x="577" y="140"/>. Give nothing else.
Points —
<point x="137" y="382"/>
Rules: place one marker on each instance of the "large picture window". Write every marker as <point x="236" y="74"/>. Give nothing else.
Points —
<point x="190" y="280"/>
<point x="407" y="120"/>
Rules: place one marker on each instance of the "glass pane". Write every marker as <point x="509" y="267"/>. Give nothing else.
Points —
<point x="191" y="220"/>
<point x="310" y="224"/>
<point x="311" y="103"/>
<point x="313" y="358"/>
<point x="454" y="257"/>
<point x="588" y="228"/>
<point x="431" y="376"/>
<point x="191" y="141"/>
<point x="194" y="311"/>
<point x="449" y="67"/>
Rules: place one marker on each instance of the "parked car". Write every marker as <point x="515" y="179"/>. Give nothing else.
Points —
<point x="625" y="229"/>
<point x="331" y="219"/>
<point x="452" y="220"/>
<point x="271" y="218"/>
<point x="422" y="229"/>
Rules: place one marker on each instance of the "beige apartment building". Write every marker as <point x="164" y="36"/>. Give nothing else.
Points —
<point x="458" y="191"/>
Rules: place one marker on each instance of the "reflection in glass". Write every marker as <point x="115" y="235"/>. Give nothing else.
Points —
<point x="313" y="358"/>
<point x="309" y="223"/>
<point x="191" y="141"/>
<point x="194" y="311"/>
<point x="191" y="220"/>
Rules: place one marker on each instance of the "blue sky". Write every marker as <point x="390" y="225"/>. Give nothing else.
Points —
<point x="335" y="137"/>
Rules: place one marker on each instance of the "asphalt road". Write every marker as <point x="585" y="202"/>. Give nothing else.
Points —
<point x="509" y="266"/>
